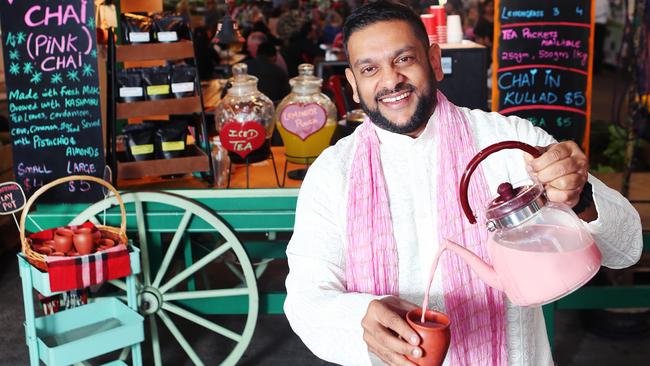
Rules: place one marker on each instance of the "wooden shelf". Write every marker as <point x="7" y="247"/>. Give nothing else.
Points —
<point x="155" y="51"/>
<point x="159" y="107"/>
<point x="195" y="161"/>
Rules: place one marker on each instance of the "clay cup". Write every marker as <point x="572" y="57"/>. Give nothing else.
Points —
<point x="83" y="240"/>
<point x="435" y="336"/>
<point x="63" y="240"/>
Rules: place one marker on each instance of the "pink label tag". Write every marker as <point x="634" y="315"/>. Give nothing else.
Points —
<point x="303" y="120"/>
<point x="242" y="138"/>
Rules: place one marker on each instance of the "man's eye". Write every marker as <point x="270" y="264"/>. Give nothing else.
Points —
<point x="404" y="59"/>
<point x="368" y="70"/>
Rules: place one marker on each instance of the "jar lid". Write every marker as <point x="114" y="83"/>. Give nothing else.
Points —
<point x="242" y="82"/>
<point x="306" y="78"/>
<point x="514" y="206"/>
<point x="240" y="74"/>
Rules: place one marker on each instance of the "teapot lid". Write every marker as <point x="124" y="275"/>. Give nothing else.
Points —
<point x="514" y="206"/>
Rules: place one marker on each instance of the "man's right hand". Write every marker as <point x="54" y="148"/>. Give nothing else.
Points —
<point x="385" y="329"/>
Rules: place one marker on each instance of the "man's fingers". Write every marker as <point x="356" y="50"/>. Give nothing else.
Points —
<point x="529" y="158"/>
<point x="559" y="169"/>
<point x="397" y="324"/>
<point x="389" y="356"/>
<point x="569" y="182"/>
<point x="569" y="197"/>
<point x="554" y="154"/>
<point x="391" y="347"/>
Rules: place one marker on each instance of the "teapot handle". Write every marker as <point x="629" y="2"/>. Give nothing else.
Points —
<point x="476" y="160"/>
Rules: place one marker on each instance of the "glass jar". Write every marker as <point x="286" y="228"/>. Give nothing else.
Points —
<point x="306" y="118"/>
<point x="244" y="119"/>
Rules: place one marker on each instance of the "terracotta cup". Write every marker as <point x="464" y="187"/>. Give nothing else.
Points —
<point x="106" y="243"/>
<point x="434" y="333"/>
<point x="63" y="240"/>
<point x="45" y="250"/>
<point x="97" y="235"/>
<point x="49" y="244"/>
<point x="83" y="240"/>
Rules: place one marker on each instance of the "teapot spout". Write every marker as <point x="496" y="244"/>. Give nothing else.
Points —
<point x="482" y="269"/>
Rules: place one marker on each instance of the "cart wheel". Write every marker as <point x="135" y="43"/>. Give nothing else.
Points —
<point x="184" y="278"/>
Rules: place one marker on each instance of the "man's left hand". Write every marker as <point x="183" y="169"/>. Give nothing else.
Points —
<point x="562" y="169"/>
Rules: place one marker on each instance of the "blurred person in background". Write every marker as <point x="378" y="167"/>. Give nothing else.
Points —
<point x="253" y="42"/>
<point x="333" y="26"/>
<point x="273" y="81"/>
<point x="206" y="56"/>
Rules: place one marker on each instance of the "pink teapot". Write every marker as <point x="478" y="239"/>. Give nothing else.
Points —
<point x="540" y="250"/>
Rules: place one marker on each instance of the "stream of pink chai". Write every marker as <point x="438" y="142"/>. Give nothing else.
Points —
<point x="533" y="266"/>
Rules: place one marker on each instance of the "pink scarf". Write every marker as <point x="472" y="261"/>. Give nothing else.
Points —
<point x="476" y="310"/>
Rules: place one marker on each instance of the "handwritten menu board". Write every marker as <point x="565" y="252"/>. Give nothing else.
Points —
<point x="50" y="56"/>
<point x="542" y="54"/>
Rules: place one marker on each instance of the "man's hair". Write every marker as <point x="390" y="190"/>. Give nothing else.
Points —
<point x="383" y="11"/>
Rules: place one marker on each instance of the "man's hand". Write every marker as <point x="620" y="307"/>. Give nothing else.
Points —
<point x="385" y="329"/>
<point x="562" y="169"/>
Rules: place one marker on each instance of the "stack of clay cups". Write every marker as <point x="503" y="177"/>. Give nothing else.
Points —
<point x="440" y="20"/>
<point x="80" y="241"/>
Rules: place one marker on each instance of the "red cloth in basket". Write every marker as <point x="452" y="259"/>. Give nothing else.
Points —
<point x="68" y="273"/>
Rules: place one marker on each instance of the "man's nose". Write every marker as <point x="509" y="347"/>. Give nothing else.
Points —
<point x="391" y="77"/>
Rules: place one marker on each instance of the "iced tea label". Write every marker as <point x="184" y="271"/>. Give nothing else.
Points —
<point x="303" y="120"/>
<point x="242" y="138"/>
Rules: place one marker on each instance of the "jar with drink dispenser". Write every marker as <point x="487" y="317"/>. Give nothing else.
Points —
<point x="306" y="118"/>
<point x="244" y="119"/>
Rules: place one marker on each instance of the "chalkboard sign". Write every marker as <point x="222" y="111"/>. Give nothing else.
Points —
<point x="542" y="69"/>
<point x="12" y="198"/>
<point x="50" y="56"/>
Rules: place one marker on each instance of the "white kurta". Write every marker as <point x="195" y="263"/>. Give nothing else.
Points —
<point x="328" y="320"/>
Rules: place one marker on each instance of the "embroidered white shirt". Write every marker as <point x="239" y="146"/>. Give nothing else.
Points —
<point x="328" y="320"/>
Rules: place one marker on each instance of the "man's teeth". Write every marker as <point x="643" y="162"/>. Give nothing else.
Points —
<point x="395" y="99"/>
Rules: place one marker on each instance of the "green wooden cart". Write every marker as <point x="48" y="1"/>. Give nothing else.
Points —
<point x="182" y="233"/>
<point x="187" y="238"/>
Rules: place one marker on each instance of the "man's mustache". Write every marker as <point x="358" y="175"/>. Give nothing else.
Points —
<point x="398" y="88"/>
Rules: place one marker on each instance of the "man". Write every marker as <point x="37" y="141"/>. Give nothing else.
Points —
<point x="374" y="209"/>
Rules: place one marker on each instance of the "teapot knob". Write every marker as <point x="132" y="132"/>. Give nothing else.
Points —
<point x="505" y="191"/>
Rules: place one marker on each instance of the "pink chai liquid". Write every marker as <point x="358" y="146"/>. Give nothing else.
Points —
<point x="537" y="278"/>
<point x="434" y="265"/>
<point x="535" y="265"/>
<point x="432" y="325"/>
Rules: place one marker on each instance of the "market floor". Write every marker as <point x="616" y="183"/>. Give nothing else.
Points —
<point x="274" y="343"/>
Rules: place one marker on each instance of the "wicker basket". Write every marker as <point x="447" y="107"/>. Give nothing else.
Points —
<point x="38" y="259"/>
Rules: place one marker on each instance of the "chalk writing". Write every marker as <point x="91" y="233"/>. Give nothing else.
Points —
<point x="242" y="138"/>
<point x="542" y="64"/>
<point x="12" y="198"/>
<point x="303" y="120"/>
<point x="53" y="94"/>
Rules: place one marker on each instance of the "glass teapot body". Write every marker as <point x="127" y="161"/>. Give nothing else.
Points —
<point x="540" y="250"/>
<point x="244" y="119"/>
<point x="545" y="257"/>
<point x="306" y="118"/>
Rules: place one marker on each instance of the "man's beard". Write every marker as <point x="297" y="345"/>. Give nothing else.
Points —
<point x="423" y="110"/>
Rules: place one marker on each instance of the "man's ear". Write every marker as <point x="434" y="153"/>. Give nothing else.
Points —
<point x="435" y="60"/>
<point x="352" y="81"/>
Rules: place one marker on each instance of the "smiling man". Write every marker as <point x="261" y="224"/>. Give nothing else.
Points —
<point x="374" y="208"/>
